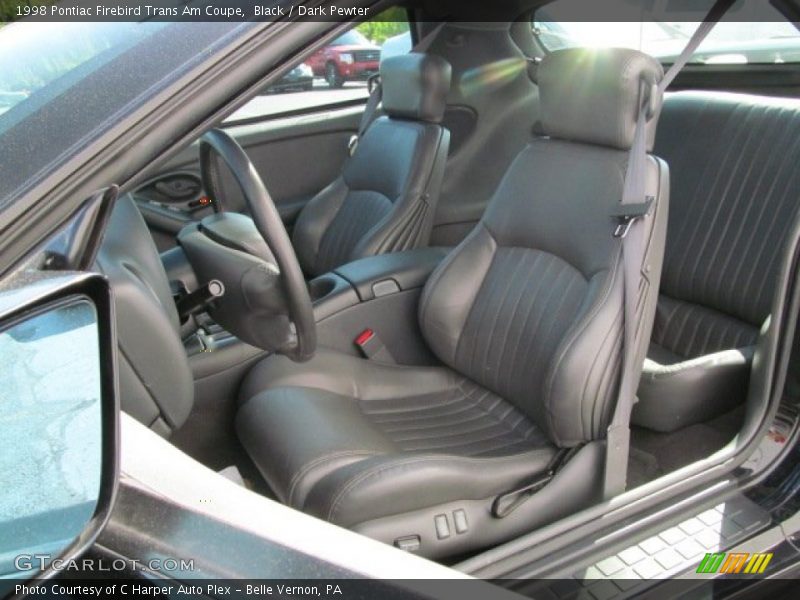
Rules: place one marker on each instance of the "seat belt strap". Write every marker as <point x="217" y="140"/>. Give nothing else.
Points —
<point x="635" y="205"/>
<point x="376" y="95"/>
<point x="369" y="114"/>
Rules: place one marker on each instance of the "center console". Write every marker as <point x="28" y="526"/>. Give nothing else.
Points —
<point x="379" y="293"/>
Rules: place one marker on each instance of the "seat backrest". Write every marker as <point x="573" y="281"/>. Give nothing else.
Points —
<point x="735" y="179"/>
<point x="385" y="198"/>
<point x="530" y="304"/>
<point x="155" y="382"/>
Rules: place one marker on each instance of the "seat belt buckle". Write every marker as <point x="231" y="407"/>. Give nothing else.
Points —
<point x="372" y="348"/>
<point x="627" y="214"/>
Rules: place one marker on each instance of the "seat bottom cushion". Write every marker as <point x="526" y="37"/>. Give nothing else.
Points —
<point x="352" y="440"/>
<point x="675" y="392"/>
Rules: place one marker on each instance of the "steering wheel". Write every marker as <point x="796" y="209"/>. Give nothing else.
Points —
<point x="228" y="235"/>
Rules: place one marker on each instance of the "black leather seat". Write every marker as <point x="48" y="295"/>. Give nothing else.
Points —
<point x="526" y="317"/>
<point x="148" y="327"/>
<point x="385" y="198"/>
<point x="733" y="161"/>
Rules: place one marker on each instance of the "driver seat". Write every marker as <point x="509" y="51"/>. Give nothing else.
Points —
<point x="385" y="198"/>
<point x="526" y="317"/>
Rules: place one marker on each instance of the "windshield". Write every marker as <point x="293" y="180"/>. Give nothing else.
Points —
<point x="64" y="84"/>
<point x="351" y="38"/>
<point x="30" y="68"/>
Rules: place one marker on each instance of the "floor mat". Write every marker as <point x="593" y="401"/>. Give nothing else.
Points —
<point x="654" y="454"/>
<point x="642" y="467"/>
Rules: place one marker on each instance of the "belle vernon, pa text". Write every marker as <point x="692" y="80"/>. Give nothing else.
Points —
<point x="154" y="589"/>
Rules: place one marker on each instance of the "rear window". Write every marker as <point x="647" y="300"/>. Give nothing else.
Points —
<point x="770" y="40"/>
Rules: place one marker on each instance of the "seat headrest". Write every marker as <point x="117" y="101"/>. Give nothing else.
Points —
<point x="415" y="86"/>
<point x="593" y="95"/>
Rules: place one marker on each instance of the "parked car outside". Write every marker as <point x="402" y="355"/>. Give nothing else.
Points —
<point x="350" y="57"/>
<point x="299" y="79"/>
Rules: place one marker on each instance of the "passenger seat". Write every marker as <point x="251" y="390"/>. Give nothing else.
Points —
<point x="735" y="188"/>
<point x="385" y="198"/>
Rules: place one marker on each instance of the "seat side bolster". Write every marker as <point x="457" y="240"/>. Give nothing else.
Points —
<point x="372" y="488"/>
<point x="313" y="222"/>
<point x="584" y="372"/>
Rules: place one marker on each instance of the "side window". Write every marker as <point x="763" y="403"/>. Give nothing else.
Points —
<point x="335" y="73"/>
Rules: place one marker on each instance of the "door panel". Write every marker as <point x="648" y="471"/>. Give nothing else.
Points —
<point x="296" y="157"/>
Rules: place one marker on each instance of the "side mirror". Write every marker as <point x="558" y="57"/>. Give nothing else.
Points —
<point x="58" y="420"/>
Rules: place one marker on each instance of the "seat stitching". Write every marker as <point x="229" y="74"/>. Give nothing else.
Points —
<point x="612" y="330"/>
<point x="509" y="363"/>
<point x="501" y="309"/>
<point x="703" y="224"/>
<point x="482" y="434"/>
<point x="747" y="225"/>
<point x="505" y="444"/>
<point x="467" y="395"/>
<point x="768" y="201"/>
<point x="548" y="314"/>
<point x="402" y="411"/>
<point x="428" y="426"/>
<point x="731" y="204"/>
<point x="534" y="302"/>
<point x="491" y="424"/>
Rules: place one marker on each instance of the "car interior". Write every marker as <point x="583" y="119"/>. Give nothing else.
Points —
<point x="413" y="324"/>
